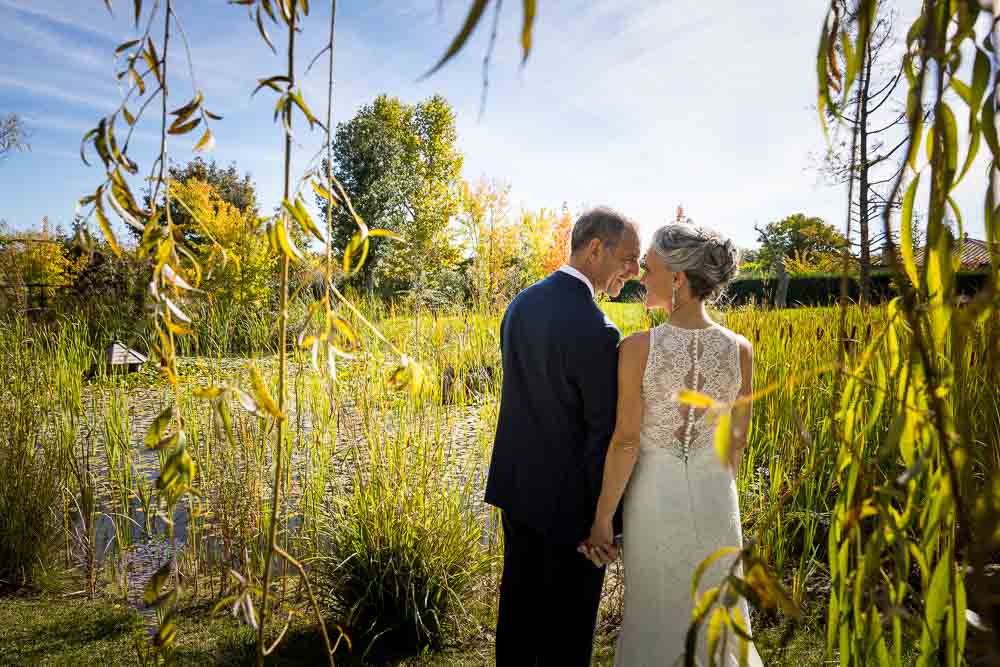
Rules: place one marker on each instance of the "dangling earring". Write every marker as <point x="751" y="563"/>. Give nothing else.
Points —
<point x="673" y="298"/>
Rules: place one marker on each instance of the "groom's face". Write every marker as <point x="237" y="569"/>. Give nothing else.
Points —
<point x="619" y="264"/>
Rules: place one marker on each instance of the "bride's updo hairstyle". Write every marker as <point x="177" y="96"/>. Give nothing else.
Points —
<point x="708" y="258"/>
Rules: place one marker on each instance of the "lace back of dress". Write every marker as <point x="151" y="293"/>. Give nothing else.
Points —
<point x="703" y="360"/>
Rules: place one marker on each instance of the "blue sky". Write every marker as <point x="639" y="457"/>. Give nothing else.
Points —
<point x="638" y="104"/>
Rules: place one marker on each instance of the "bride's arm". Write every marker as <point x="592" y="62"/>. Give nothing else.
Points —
<point x="743" y="411"/>
<point x="624" y="448"/>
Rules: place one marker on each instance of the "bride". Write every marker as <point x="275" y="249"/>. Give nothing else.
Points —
<point x="680" y="504"/>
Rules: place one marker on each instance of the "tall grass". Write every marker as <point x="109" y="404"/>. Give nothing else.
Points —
<point x="39" y="398"/>
<point x="384" y="494"/>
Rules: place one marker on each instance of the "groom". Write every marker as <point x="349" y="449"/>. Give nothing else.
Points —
<point x="557" y="413"/>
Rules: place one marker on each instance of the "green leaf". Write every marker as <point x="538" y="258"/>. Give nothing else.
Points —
<point x="125" y="46"/>
<point x="915" y="116"/>
<point x="975" y="139"/>
<point x="158" y="427"/>
<point x="296" y="96"/>
<point x="949" y="129"/>
<point x="471" y="21"/>
<point x="822" y="76"/>
<point x="166" y="633"/>
<point x="938" y="597"/>
<point x="355" y="253"/>
<point x="156" y="582"/>
<point x="272" y="83"/>
<point x="263" y="31"/>
<point x="980" y="79"/>
<point x="184" y="112"/>
<point x="989" y="130"/>
<point x="963" y="90"/>
<point x="906" y="232"/>
<point x="177" y="127"/>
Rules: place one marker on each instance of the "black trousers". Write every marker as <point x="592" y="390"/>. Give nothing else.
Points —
<point x="549" y="595"/>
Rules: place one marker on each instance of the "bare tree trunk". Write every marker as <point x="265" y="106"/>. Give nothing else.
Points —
<point x="781" y="293"/>
<point x="863" y="233"/>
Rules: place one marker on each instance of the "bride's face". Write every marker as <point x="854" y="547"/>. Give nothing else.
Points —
<point x="658" y="280"/>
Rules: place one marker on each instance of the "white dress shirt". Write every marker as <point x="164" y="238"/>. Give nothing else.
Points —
<point x="566" y="268"/>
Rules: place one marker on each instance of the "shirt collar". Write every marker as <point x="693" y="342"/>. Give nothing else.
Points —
<point x="565" y="268"/>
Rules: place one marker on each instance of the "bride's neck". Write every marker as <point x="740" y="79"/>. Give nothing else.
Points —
<point x="690" y="315"/>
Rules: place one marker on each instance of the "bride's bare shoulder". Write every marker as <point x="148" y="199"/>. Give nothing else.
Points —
<point x="634" y="349"/>
<point x="741" y="340"/>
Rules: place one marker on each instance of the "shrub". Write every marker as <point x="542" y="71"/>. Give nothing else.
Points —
<point x="403" y="548"/>
<point x="824" y="289"/>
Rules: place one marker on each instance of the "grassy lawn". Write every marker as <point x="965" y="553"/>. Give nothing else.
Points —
<point x="52" y="630"/>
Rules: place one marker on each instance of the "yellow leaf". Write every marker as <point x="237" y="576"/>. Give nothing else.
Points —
<point x="206" y="143"/>
<point x="285" y="243"/>
<point x="324" y="193"/>
<point x="723" y="438"/>
<point x="102" y="221"/>
<point x="695" y="399"/>
<point x="261" y="394"/>
<point x="715" y="629"/>
<point x="208" y="393"/>
<point x="408" y="375"/>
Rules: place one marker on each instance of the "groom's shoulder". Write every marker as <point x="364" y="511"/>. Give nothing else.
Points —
<point x="547" y="292"/>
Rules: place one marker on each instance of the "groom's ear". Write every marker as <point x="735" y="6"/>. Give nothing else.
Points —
<point x="594" y="247"/>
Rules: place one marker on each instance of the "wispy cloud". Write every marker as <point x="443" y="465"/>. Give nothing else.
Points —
<point x="52" y="92"/>
<point x="83" y="16"/>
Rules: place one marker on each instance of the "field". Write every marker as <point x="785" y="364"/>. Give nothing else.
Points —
<point x="383" y="505"/>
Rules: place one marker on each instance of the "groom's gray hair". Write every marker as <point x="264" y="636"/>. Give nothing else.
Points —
<point x="601" y="223"/>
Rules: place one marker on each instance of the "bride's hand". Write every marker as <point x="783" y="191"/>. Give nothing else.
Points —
<point x="600" y="547"/>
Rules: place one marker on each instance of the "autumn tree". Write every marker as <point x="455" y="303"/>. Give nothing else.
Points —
<point x="243" y="270"/>
<point x="558" y="251"/>
<point x="226" y="182"/>
<point x="400" y="165"/>
<point x="34" y="258"/>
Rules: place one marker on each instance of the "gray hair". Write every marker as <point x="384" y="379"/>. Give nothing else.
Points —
<point x="707" y="258"/>
<point x="601" y="223"/>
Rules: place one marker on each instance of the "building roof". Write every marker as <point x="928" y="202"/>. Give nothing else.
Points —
<point x="119" y="354"/>
<point x="975" y="254"/>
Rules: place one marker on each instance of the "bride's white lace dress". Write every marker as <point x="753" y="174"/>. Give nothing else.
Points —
<point x="681" y="504"/>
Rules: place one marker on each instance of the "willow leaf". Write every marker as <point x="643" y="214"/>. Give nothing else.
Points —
<point x="471" y="21"/>
<point x="102" y="221"/>
<point x="906" y="232"/>
<point x="527" y="24"/>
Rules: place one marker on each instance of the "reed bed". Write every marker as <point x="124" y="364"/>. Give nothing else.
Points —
<point x="384" y="500"/>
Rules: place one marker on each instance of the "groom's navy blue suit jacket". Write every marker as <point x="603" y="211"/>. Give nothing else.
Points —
<point x="557" y="408"/>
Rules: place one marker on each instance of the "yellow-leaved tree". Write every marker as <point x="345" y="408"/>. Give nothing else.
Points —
<point x="33" y="262"/>
<point x="243" y="275"/>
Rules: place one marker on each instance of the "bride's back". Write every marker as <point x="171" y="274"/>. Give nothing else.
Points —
<point x="704" y="360"/>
